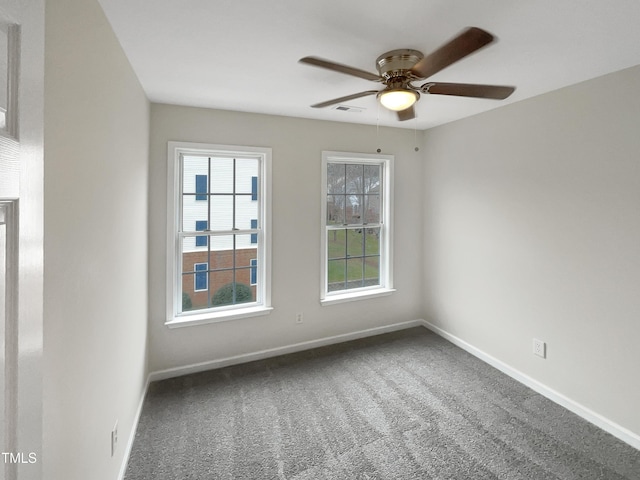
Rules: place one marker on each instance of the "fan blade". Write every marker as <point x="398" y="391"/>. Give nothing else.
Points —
<point x="496" y="92"/>
<point x="464" y="44"/>
<point x="337" y="67"/>
<point x="344" y="99"/>
<point x="407" y="114"/>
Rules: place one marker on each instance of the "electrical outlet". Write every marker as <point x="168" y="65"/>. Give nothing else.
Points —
<point x="114" y="438"/>
<point x="539" y="348"/>
<point x="299" y="317"/>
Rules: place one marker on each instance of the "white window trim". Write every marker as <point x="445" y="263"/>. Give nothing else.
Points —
<point x="386" y="247"/>
<point x="173" y="258"/>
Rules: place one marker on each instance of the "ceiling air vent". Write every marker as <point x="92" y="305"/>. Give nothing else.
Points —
<point x="348" y="108"/>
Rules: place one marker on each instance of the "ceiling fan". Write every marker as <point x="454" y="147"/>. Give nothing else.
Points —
<point x="399" y="68"/>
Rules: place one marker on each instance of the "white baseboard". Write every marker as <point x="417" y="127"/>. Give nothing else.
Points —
<point x="132" y="434"/>
<point x="238" y="359"/>
<point x="274" y="352"/>
<point x="598" y="420"/>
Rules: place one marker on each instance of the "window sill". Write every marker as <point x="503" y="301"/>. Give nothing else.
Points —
<point x="353" y="296"/>
<point x="217" y="317"/>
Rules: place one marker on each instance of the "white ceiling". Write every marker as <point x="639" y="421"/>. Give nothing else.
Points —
<point x="243" y="54"/>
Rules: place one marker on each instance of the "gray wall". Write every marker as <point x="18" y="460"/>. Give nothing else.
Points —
<point x="297" y="145"/>
<point x="532" y="229"/>
<point x="95" y="247"/>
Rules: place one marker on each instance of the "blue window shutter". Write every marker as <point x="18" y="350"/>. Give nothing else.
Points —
<point x="201" y="187"/>
<point x="254" y="271"/>
<point x="201" y="276"/>
<point x="254" y="188"/>
<point x="254" y="236"/>
<point x="201" y="240"/>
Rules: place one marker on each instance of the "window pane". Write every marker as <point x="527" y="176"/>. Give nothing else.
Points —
<point x="372" y="241"/>
<point x="354" y="209"/>
<point x="371" y="271"/>
<point x="246" y="170"/>
<point x="193" y="167"/>
<point x="222" y="175"/>
<point x="221" y="252"/>
<point x="354" y="273"/>
<point x="245" y="251"/>
<point x="335" y="178"/>
<point x="246" y="209"/>
<point x="192" y="300"/>
<point x="336" y="275"/>
<point x="337" y="243"/>
<point x="371" y="179"/>
<point x="243" y="277"/>
<point x="195" y="285"/>
<point x="355" y="243"/>
<point x="221" y="212"/>
<point x="335" y="209"/>
<point x="372" y="208"/>
<point x="219" y="278"/>
<point x="232" y="293"/>
<point x="192" y="211"/>
<point x="222" y="246"/>
<point x="355" y="179"/>
<point x="192" y="255"/>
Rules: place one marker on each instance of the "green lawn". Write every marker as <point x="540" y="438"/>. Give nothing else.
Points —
<point x="347" y="249"/>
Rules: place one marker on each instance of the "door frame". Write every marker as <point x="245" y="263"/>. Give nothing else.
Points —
<point x="22" y="196"/>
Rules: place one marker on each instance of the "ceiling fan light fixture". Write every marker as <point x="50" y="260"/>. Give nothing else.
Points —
<point x="398" y="99"/>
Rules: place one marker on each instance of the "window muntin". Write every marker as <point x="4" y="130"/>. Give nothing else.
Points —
<point x="356" y="243"/>
<point x="221" y="224"/>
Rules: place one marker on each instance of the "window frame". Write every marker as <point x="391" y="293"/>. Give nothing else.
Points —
<point x="262" y="305"/>
<point x="386" y="228"/>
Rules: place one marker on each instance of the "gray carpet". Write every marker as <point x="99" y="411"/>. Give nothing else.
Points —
<point x="405" y="405"/>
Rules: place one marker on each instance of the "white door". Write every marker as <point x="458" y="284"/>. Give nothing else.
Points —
<point x="21" y="237"/>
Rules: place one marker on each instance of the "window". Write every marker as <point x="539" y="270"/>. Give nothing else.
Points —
<point x="201" y="187"/>
<point x="254" y="188"/>
<point x="218" y="240"/>
<point x="201" y="226"/>
<point x="254" y="225"/>
<point x="356" y="240"/>
<point x="200" y="282"/>
<point x="254" y="271"/>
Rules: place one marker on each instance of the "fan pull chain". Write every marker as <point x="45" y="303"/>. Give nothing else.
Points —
<point x="378" y="127"/>
<point x="415" y="133"/>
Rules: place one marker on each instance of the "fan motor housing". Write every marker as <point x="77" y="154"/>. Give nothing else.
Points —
<point x="396" y="63"/>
